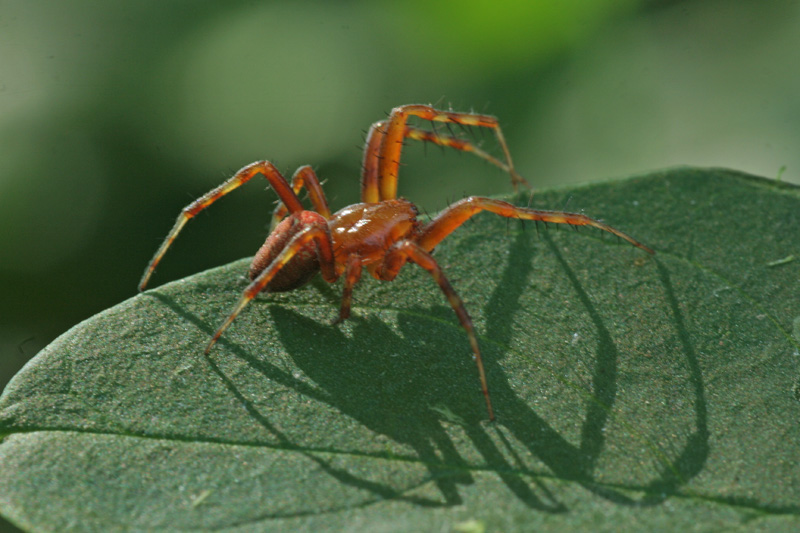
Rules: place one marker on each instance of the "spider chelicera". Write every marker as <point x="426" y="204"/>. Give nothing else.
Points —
<point x="380" y="234"/>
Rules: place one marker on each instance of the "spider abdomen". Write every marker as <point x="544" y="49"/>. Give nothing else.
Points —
<point x="300" y="268"/>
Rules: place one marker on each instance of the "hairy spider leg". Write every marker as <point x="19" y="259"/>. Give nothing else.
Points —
<point x="352" y="274"/>
<point x="321" y="235"/>
<point x="391" y="145"/>
<point x="454" y="216"/>
<point x="370" y="191"/>
<point x="406" y="250"/>
<point x="418" y="134"/>
<point x="245" y="174"/>
<point x="304" y="177"/>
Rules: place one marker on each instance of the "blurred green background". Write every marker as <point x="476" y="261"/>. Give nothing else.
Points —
<point x="113" y="116"/>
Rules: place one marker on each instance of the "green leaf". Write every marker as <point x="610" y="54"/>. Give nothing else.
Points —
<point x="631" y="391"/>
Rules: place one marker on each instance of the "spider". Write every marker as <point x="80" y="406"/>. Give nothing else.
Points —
<point x="381" y="233"/>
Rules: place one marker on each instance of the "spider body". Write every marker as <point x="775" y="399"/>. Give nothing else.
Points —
<point x="368" y="230"/>
<point x="364" y="230"/>
<point x="380" y="234"/>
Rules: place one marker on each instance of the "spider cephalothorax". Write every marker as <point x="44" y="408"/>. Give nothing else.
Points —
<point x="381" y="233"/>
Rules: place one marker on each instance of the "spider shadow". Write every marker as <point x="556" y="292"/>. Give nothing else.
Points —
<point x="403" y="387"/>
<point x="366" y="383"/>
<point x="442" y="378"/>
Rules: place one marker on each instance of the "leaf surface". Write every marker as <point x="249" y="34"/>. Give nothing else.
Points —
<point x="630" y="390"/>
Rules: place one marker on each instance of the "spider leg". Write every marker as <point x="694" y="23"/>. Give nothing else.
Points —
<point x="352" y="274"/>
<point x="418" y="134"/>
<point x="304" y="177"/>
<point x="454" y="216"/>
<point x="265" y="168"/>
<point x="322" y="237"/>
<point x="395" y="131"/>
<point x="370" y="190"/>
<point x="406" y="250"/>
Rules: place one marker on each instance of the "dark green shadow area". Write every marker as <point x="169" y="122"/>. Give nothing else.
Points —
<point x="649" y="390"/>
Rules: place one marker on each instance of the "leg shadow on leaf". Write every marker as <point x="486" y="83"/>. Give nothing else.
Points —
<point x="407" y="385"/>
<point x="380" y="387"/>
<point x="563" y="459"/>
<point x="445" y="477"/>
<point x="579" y="462"/>
<point x="404" y="388"/>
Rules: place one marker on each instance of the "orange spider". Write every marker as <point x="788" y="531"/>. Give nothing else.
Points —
<point x="380" y="234"/>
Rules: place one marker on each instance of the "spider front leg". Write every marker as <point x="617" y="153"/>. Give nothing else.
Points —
<point x="352" y="274"/>
<point x="391" y="144"/>
<point x="265" y="168"/>
<point x="304" y="177"/>
<point x="317" y="232"/>
<point x="406" y="250"/>
<point x="454" y="216"/>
